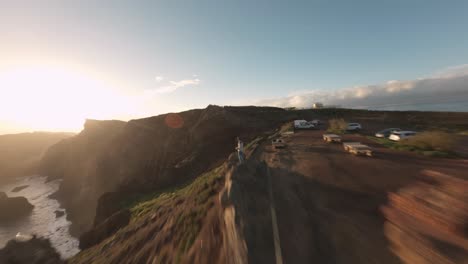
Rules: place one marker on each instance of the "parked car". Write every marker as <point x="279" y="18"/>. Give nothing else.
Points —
<point x="303" y="124"/>
<point x="386" y="132"/>
<point x="353" y="127"/>
<point x="400" y="135"/>
<point x="316" y="122"/>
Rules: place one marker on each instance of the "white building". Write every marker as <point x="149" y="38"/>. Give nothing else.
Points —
<point x="317" y="105"/>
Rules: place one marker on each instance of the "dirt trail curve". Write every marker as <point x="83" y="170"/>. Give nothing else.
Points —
<point x="327" y="201"/>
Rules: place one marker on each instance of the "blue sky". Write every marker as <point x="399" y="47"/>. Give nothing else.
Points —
<point x="231" y="52"/>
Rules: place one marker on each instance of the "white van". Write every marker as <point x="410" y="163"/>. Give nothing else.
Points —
<point x="303" y="124"/>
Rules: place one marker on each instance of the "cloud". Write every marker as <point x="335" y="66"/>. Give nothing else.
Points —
<point x="174" y="85"/>
<point x="183" y="83"/>
<point x="444" y="90"/>
<point x="451" y="72"/>
<point x="159" y="78"/>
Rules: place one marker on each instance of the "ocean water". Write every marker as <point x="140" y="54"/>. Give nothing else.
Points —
<point x="42" y="220"/>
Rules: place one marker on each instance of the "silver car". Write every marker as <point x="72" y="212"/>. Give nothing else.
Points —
<point x="399" y="135"/>
<point x="353" y="127"/>
<point x="386" y="132"/>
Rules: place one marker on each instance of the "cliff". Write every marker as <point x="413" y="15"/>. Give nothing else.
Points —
<point x="21" y="153"/>
<point x="110" y="161"/>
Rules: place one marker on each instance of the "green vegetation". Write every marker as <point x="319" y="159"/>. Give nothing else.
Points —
<point x="432" y="141"/>
<point x="181" y="209"/>
<point x="337" y="126"/>
<point x="433" y="144"/>
<point x="199" y="191"/>
<point x="288" y="127"/>
<point x="253" y="143"/>
<point x="193" y="201"/>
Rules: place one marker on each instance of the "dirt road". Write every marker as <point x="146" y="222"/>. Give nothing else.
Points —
<point x="327" y="201"/>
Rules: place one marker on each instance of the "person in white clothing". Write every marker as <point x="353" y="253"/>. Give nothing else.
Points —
<point x="240" y="150"/>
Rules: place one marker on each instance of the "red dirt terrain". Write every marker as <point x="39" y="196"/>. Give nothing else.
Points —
<point x="428" y="220"/>
<point x="327" y="201"/>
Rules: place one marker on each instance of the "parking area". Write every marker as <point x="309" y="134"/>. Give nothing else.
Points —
<point x="328" y="200"/>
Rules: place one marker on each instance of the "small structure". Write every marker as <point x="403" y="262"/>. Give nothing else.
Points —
<point x="357" y="148"/>
<point x="317" y="105"/>
<point x="278" y="143"/>
<point x="331" y="138"/>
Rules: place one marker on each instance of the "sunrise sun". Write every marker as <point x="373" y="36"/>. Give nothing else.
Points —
<point x="55" y="99"/>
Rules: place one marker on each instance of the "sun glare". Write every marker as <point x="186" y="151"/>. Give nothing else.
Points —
<point x="56" y="99"/>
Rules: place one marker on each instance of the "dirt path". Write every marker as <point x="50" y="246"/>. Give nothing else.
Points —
<point x="327" y="201"/>
<point x="274" y="220"/>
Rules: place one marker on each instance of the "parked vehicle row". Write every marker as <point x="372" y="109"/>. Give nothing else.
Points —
<point x="304" y="124"/>
<point x="395" y="134"/>
<point x="355" y="148"/>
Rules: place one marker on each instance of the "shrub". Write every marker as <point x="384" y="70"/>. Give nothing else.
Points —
<point x="337" y="125"/>
<point x="288" y="127"/>
<point x="429" y="141"/>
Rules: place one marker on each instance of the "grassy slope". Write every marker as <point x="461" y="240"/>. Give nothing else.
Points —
<point x="426" y="152"/>
<point x="164" y="225"/>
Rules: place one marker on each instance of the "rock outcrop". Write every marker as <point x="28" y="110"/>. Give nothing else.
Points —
<point x="12" y="208"/>
<point x="59" y="213"/>
<point x="105" y="229"/>
<point x="33" y="251"/>
<point x="146" y="155"/>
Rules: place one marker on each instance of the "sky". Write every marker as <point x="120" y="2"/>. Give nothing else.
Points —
<point x="64" y="61"/>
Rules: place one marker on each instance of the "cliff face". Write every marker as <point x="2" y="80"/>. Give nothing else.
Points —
<point x="75" y="161"/>
<point x="120" y="159"/>
<point x="21" y="153"/>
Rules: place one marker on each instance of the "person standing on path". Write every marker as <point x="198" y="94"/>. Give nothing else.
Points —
<point x="240" y="150"/>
